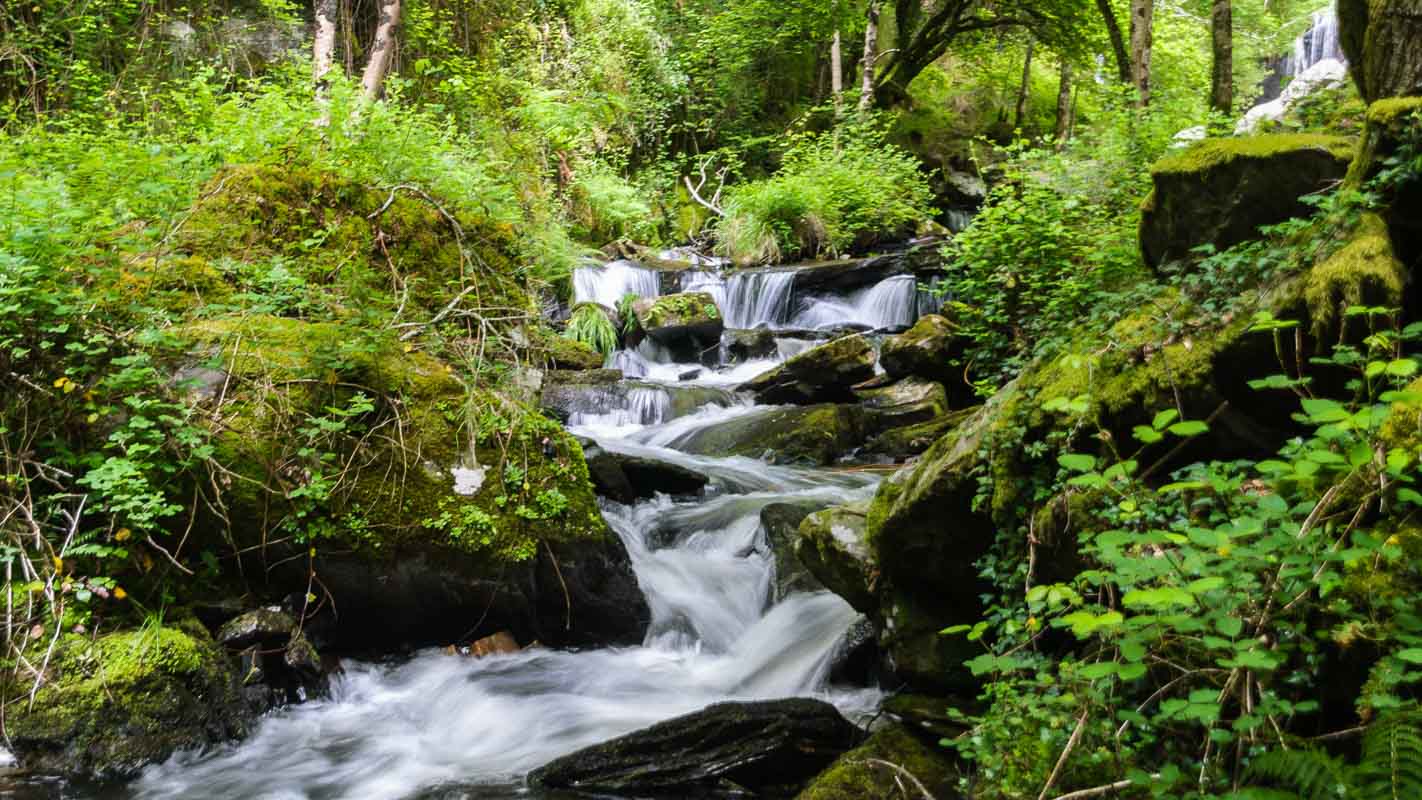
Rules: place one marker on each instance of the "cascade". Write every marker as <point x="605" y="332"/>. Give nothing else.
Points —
<point x="747" y="299"/>
<point x="1318" y="43"/>
<point x="608" y="283"/>
<point x="890" y="303"/>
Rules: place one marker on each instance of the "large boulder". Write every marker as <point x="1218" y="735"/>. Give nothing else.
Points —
<point x="889" y="759"/>
<point x="1380" y="39"/>
<point x="279" y="664"/>
<point x="911" y="440"/>
<point x="688" y="322"/>
<point x="769" y="748"/>
<point x="817" y="435"/>
<point x="781" y="524"/>
<point x="825" y="373"/>
<point x="1221" y="191"/>
<point x="111" y="705"/>
<point x="912" y="401"/>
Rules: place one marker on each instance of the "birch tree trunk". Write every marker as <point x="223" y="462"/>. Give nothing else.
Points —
<point x="1025" y="88"/>
<point x="324" y="47"/>
<point x="871" y="54"/>
<point x="837" y="76"/>
<point x="1222" y="68"/>
<point x="382" y="50"/>
<point x="1142" y="18"/>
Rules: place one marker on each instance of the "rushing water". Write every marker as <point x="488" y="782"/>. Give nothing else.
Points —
<point x="1318" y="43"/>
<point x="444" y="726"/>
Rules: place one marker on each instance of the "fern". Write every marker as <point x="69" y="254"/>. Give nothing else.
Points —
<point x="1390" y="767"/>
<point x="627" y="314"/>
<point x="591" y="325"/>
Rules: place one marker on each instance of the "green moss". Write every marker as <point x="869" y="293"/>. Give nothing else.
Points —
<point x="1212" y="153"/>
<point x="831" y="546"/>
<point x="686" y="308"/>
<point x="855" y="776"/>
<point x="129" y="698"/>
<point x="1387" y="120"/>
<point x="1364" y="272"/>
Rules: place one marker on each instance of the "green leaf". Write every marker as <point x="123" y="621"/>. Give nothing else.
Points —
<point x="1322" y="410"/>
<point x="1189" y="428"/>
<point x="1077" y="462"/>
<point x="1412" y="655"/>
<point x="1229" y="626"/>
<point x="1164" y="418"/>
<point x="1146" y="435"/>
<point x="1402" y="368"/>
<point x="1157" y="598"/>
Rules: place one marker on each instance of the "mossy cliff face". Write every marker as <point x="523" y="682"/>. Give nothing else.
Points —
<point x="1220" y="191"/>
<point x="113" y="704"/>
<point x="1380" y="39"/>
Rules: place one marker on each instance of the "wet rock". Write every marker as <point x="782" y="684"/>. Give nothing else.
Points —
<point x="928" y="351"/>
<point x="817" y="435"/>
<point x="501" y="643"/>
<point x="826" y="373"/>
<point x="626" y="478"/>
<point x="562" y="353"/>
<point x="872" y="770"/>
<point x="129" y="699"/>
<point x="781" y="524"/>
<point x="768" y="748"/>
<point x="688" y="321"/>
<point x="912" y="440"/>
<point x="1221" y="191"/>
<point x="748" y="345"/>
<point x="926" y="713"/>
<point x="261" y="626"/>
<point x="838" y="277"/>
<point x="911" y="401"/>
<point x="831" y="546"/>
<point x="689" y="375"/>
<point x="855" y="660"/>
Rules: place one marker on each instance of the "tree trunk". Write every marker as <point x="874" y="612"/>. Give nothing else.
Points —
<point x="1064" y="103"/>
<point x="837" y="76"/>
<point x="324" y="49"/>
<point x="1142" y="18"/>
<point x="382" y="50"/>
<point x="1222" y="69"/>
<point x="1025" y="88"/>
<point x="871" y="54"/>
<point x="1381" y="39"/>
<point x="1118" y="42"/>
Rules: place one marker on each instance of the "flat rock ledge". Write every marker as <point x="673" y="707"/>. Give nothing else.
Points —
<point x="767" y="748"/>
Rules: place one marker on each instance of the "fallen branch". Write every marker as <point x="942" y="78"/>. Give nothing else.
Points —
<point x="918" y="784"/>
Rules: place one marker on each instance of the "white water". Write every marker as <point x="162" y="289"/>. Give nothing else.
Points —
<point x="451" y="726"/>
<point x="747" y="299"/>
<point x="607" y="284"/>
<point x="890" y="303"/>
<point x="1318" y="43"/>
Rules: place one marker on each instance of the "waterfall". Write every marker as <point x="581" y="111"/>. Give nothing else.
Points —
<point x="890" y="303"/>
<point x="747" y="299"/>
<point x="608" y="283"/>
<point x="1318" y="43"/>
<point x="641" y="405"/>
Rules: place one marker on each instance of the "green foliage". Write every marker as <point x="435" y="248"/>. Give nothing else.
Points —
<point x="835" y="192"/>
<point x="590" y="325"/>
<point x="1390" y="765"/>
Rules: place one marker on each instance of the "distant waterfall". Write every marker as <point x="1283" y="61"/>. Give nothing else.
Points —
<point x="890" y="303"/>
<point x="747" y="299"/>
<point x="1318" y="43"/>
<point x="608" y="283"/>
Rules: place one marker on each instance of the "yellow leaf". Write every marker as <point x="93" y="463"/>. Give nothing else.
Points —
<point x="92" y="418"/>
<point x="70" y="386"/>
<point x="119" y="593"/>
<point x="409" y="348"/>
<point x="58" y="563"/>
<point x="60" y="381"/>
<point x="122" y="535"/>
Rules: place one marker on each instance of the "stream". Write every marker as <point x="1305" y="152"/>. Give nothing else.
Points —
<point x="441" y="726"/>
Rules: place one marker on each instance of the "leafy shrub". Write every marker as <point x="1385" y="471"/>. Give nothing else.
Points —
<point x="591" y="325"/>
<point x="834" y="192"/>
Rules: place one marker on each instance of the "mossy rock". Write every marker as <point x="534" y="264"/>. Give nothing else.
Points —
<point x="127" y="699"/>
<point x="927" y="350"/>
<point x="469" y="503"/>
<point x="679" y="321"/>
<point x="1392" y="125"/>
<point x="1363" y="272"/>
<point x="831" y="547"/>
<point x="825" y="373"/>
<point x="911" y="401"/>
<point x="1221" y="191"/>
<point x="813" y="435"/>
<point x="562" y="353"/>
<point x="911" y="440"/>
<point x="866" y="771"/>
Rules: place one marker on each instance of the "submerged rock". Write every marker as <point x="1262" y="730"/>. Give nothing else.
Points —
<point x="817" y="435"/>
<point x="877" y="768"/>
<point x="748" y="345"/>
<point x="1221" y="191"/>
<point x="117" y="703"/>
<point x="768" y="748"/>
<point x="825" y="373"/>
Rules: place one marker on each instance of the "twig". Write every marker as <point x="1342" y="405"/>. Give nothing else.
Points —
<point x="918" y="784"/>
<point x="444" y="312"/>
<point x="1066" y="753"/>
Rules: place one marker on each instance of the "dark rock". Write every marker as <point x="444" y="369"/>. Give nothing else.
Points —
<point x="856" y="657"/>
<point x="688" y="321"/>
<point x="689" y="375"/>
<point x="845" y="275"/>
<point x="926" y="713"/>
<point x="825" y="373"/>
<point x="769" y="748"/>
<point x="1221" y="191"/>
<point x="626" y="478"/>
<point x="748" y="345"/>
<point x="912" y="440"/>
<point x="261" y="626"/>
<point x="820" y="434"/>
<point x="585" y="377"/>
